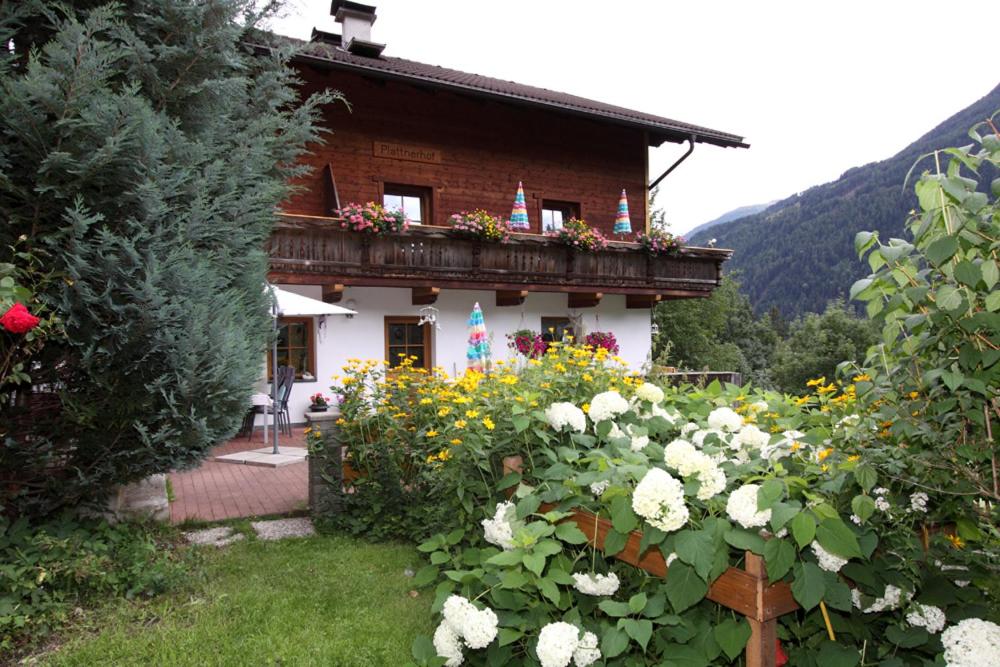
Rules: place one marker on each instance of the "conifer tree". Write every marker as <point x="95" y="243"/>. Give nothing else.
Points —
<point x="144" y="147"/>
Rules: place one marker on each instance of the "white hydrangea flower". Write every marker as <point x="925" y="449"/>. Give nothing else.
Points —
<point x="827" y="561"/>
<point x="649" y="392"/>
<point x="606" y="406"/>
<point x="725" y="419"/>
<point x="918" y="502"/>
<point x="758" y="406"/>
<point x="586" y="652"/>
<point x="742" y="507"/>
<point x="639" y="442"/>
<point x="890" y="599"/>
<point x="688" y="428"/>
<point x="712" y="479"/>
<point x="448" y="644"/>
<point x="598" y="488"/>
<point x="562" y="415"/>
<point x="596" y="584"/>
<point x="499" y="530"/>
<point x="926" y="616"/>
<point x="699" y="436"/>
<point x="556" y="644"/>
<point x="682" y="456"/>
<point x="659" y="499"/>
<point x="476" y="627"/>
<point x="657" y="411"/>
<point x="972" y="643"/>
<point x="750" y="437"/>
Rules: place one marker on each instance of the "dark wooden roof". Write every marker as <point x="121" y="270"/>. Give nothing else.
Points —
<point x="325" y="51"/>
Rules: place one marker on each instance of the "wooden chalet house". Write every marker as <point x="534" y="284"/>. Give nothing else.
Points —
<point x="435" y="142"/>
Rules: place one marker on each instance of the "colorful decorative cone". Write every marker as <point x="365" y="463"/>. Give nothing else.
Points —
<point x="519" y="216"/>
<point x="623" y="225"/>
<point x="478" y="355"/>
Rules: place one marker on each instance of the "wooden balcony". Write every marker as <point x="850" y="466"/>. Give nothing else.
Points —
<point x="316" y="251"/>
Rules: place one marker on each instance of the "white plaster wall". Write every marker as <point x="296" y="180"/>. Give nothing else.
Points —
<point x="363" y="336"/>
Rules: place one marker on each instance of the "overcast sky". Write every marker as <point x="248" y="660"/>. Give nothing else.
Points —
<point x="815" y="88"/>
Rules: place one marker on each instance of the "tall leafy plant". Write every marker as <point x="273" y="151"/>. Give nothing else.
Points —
<point x="152" y="144"/>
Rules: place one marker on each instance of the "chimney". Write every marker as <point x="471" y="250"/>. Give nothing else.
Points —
<point x="356" y="34"/>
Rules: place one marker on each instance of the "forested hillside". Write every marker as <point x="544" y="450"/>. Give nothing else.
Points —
<point x="798" y="254"/>
<point x="730" y="216"/>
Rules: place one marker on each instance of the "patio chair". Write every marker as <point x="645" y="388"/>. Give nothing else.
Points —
<point x="285" y="378"/>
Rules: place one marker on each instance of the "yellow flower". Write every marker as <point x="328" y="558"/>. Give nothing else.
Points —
<point x="519" y="399"/>
<point x="546" y="385"/>
<point x="426" y="401"/>
<point x="444" y="455"/>
<point x="443" y="412"/>
<point x="488" y="423"/>
<point x="818" y="382"/>
<point x="432" y="433"/>
<point x="509" y="379"/>
<point x="560" y="368"/>
<point x="853" y="457"/>
<point x="534" y="404"/>
<point x="956" y="541"/>
<point x="824" y="467"/>
<point x="864" y="377"/>
<point x="914" y="395"/>
<point x="775" y="429"/>
<point x="456" y="441"/>
<point x="824" y="453"/>
<point x="585" y="407"/>
<point x="802" y="400"/>
<point x="472" y="414"/>
<point x="587" y="377"/>
<point x="341" y="421"/>
<point x="827" y="389"/>
<point x="399" y="415"/>
<point x="307" y="430"/>
<point x="460" y="423"/>
<point x="796" y="446"/>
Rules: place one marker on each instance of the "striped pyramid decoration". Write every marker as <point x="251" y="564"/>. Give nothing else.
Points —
<point x="478" y="354"/>
<point x="623" y="225"/>
<point x="519" y="216"/>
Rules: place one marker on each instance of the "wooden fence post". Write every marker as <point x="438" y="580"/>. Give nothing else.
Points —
<point x="762" y="647"/>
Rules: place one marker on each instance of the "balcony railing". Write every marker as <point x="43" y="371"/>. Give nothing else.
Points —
<point x="310" y="250"/>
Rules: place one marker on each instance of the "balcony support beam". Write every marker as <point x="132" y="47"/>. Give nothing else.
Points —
<point x="333" y="293"/>
<point x="511" y="297"/>
<point x="425" y="296"/>
<point x="584" y="299"/>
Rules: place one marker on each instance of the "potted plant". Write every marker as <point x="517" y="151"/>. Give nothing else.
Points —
<point x="319" y="403"/>
<point x="372" y="218"/>
<point x="577" y="234"/>
<point x="481" y="225"/>
<point x="527" y="343"/>
<point x="659" y="242"/>
<point x="605" y="339"/>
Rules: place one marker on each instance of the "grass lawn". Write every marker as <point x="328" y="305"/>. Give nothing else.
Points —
<point x="325" y="600"/>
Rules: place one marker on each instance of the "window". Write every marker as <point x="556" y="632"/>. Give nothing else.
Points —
<point x="555" y="213"/>
<point x="413" y="201"/>
<point x="404" y="337"/>
<point x="557" y="328"/>
<point x="296" y="346"/>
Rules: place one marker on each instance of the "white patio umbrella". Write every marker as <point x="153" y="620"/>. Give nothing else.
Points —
<point x="290" y="304"/>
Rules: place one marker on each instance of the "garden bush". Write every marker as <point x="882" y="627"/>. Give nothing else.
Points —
<point x="50" y="569"/>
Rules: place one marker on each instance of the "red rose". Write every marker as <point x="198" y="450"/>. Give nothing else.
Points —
<point x="18" y="320"/>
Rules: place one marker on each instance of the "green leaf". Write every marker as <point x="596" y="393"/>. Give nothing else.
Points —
<point x="860" y="286"/>
<point x="942" y="250"/>
<point x="570" y="533"/>
<point x="425" y="576"/>
<point x="838" y="539"/>
<point x="506" y="558"/>
<point x="535" y="562"/>
<point x="781" y="514"/>
<point x="684" y="587"/>
<point x="992" y="302"/>
<point x="865" y="476"/>
<point x="439" y="557"/>
<point x="527" y="506"/>
<point x="509" y="480"/>
<point x="809" y="585"/>
<point x="614" y="542"/>
<point x="614" y="609"/>
<point x="696" y="548"/>
<point x="746" y="540"/>
<point x="778" y="557"/>
<point x="911" y="637"/>
<point x="509" y="636"/>
<point x="655" y="606"/>
<point x="549" y="590"/>
<point x="638" y="629"/>
<point x="803" y="528"/>
<point x="622" y="517"/>
<point x="637" y="602"/>
<point x="968" y="273"/>
<point x="863" y="507"/>
<point x="520" y="422"/>
<point x="770" y="492"/>
<point x="614" y="642"/>
<point x="732" y="636"/>
<point x="991" y="273"/>
<point x="832" y="654"/>
<point x="952" y="379"/>
<point x="948" y="298"/>
<point x="423" y="649"/>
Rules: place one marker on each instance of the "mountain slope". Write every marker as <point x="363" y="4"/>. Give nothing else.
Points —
<point x="731" y="216"/>
<point x="799" y="253"/>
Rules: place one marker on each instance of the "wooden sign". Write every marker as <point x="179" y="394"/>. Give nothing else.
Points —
<point x="411" y="153"/>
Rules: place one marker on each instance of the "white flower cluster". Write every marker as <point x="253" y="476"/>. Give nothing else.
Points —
<point x="758" y="406"/>
<point x="742" y="507"/>
<point x="561" y="415"/>
<point x="499" y="530"/>
<point x="598" y="488"/>
<point x="827" y="561"/>
<point x="463" y="625"/>
<point x="881" y="504"/>
<point x="782" y="447"/>
<point x="596" y="584"/>
<point x="972" y="643"/>
<point x="926" y="616"/>
<point x="560" y="643"/>
<point x="725" y="419"/>
<point x="638" y="442"/>
<point x="699" y="435"/>
<point x="891" y="599"/>
<point x="682" y="456"/>
<point x="606" y="406"/>
<point x="750" y="437"/>
<point x="659" y="499"/>
<point x="649" y="392"/>
<point x="918" y="502"/>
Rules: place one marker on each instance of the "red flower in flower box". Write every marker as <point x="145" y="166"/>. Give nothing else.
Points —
<point x="18" y="320"/>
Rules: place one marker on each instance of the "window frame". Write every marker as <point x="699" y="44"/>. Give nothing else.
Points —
<point x="560" y="320"/>
<point x="423" y="192"/>
<point x="408" y="319"/>
<point x="569" y="210"/>
<point x="310" y="348"/>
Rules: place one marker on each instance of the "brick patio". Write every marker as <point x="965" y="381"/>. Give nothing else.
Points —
<point x="217" y="491"/>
